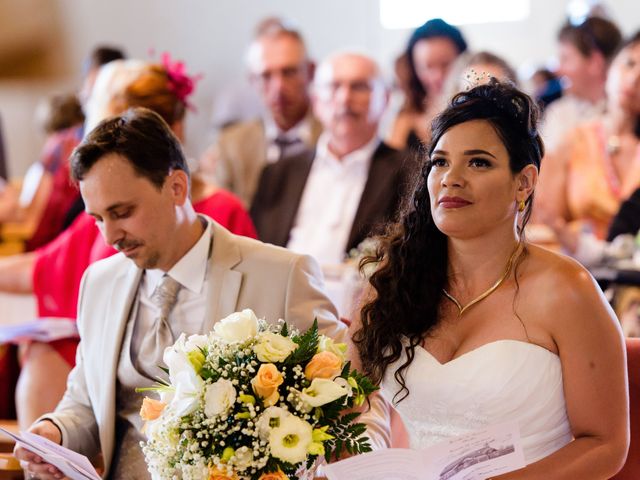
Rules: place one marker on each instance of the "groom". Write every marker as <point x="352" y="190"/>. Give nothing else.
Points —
<point x="177" y="272"/>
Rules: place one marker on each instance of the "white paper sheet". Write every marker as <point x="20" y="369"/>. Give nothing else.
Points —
<point x="477" y="455"/>
<point x="42" y="330"/>
<point x="72" y="464"/>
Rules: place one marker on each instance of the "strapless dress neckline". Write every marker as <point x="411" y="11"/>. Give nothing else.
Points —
<point x="478" y="350"/>
<point x="497" y="382"/>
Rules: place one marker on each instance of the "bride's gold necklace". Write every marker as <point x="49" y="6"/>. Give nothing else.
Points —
<point x="488" y="292"/>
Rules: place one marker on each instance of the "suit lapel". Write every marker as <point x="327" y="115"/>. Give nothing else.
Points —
<point x="253" y="156"/>
<point x="316" y="131"/>
<point x="278" y="197"/>
<point x="225" y="283"/>
<point x="123" y="293"/>
<point x="375" y="197"/>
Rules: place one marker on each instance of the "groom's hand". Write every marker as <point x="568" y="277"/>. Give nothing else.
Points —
<point x="32" y="463"/>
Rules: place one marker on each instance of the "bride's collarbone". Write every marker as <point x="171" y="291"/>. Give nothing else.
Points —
<point x="456" y="335"/>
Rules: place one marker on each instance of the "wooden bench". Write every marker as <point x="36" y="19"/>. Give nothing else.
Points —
<point x="6" y="444"/>
<point x="10" y="468"/>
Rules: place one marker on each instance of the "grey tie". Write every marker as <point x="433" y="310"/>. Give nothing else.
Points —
<point x="288" y="146"/>
<point x="160" y="336"/>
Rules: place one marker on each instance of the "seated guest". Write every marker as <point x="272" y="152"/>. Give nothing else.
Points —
<point x="468" y="325"/>
<point x="585" y="51"/>
<point x="54" y="114"/>
<point x="59" y="112"/>
<point x="281" y="71"/>
<point x="431" y="53"/>
<point x="326" y="202"/>
<point x="237" y="101"/>
<point x="546" y="86"/>
<point x="48" y="194"/>
<point x="586" y="179"/>
<point x="135" y="183"/>
<point x="54" y="271"/>
<point x="474" y="69"/>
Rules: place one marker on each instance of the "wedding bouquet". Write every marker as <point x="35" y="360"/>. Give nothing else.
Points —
<point x="252" y="400"/>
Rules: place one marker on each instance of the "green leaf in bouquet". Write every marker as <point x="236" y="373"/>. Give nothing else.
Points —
<point x="206" y="373"/>
<point x="307" y="346"/>
<point x="347" y="418"/>
<point x="346" y="369"/>
<point x="284" y="331"/>
<point x="348" y="436"/>
<point x="273" y="465"/>
<point x="310" y="461"/>
<point x="366" y="385"/>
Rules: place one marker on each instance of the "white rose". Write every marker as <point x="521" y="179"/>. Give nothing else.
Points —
<point x="270" y="418"/>
<point x="272" y="347"/>
<point x="322" y="391"/>
<point x="289" y="442"/>
<point x="237" y="327"/>
<point x="219" y="398"/>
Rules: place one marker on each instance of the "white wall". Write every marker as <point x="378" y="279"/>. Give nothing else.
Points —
<point x="211" y="35"/>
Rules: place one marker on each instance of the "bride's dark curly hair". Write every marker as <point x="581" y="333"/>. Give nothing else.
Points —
<point x="412" y="257"/>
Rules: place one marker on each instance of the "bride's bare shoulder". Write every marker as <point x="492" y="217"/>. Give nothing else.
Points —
<point x="545" y="262"/>
<point x="560" y="280"/>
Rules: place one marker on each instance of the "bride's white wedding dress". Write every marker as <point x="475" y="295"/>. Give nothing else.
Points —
<point x="502" y="381"/>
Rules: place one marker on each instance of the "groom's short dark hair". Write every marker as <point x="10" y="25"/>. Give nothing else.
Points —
<point x="139" y="135"/>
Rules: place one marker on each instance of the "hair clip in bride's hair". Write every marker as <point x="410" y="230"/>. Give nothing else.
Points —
<point x="474" y="79"/>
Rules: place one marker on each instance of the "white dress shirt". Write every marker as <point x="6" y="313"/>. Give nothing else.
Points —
<point x="188" y="314"/>
<point x="330" y="201"/>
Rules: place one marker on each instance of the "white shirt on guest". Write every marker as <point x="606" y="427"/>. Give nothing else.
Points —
<point x="188" y="314"/>
<point x="330" y="201"/>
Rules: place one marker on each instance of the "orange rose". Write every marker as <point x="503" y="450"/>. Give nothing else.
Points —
<point x="216" y="473"/>
<point x="279" y="475"/>
<point x="151" y="409"/>
<point x="323" y="365"/>
<point x="266" y="382"/>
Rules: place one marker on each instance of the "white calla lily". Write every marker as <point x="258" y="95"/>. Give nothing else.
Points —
<point x="188" y="387"/>
<point x="322" y="391"/>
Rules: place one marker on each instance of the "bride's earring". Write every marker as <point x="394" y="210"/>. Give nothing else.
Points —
<point x="521" y="206"/>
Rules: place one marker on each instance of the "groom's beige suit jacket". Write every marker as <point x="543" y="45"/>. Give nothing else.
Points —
<point x="244" y="273"/>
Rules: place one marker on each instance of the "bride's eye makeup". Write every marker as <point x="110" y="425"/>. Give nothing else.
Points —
<point x="438" y="162"/>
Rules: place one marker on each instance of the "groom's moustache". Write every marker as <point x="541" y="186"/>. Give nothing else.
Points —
<point x="127" y="244"/>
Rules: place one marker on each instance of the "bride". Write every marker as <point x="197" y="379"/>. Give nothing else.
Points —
<point x="467" y="325"/>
